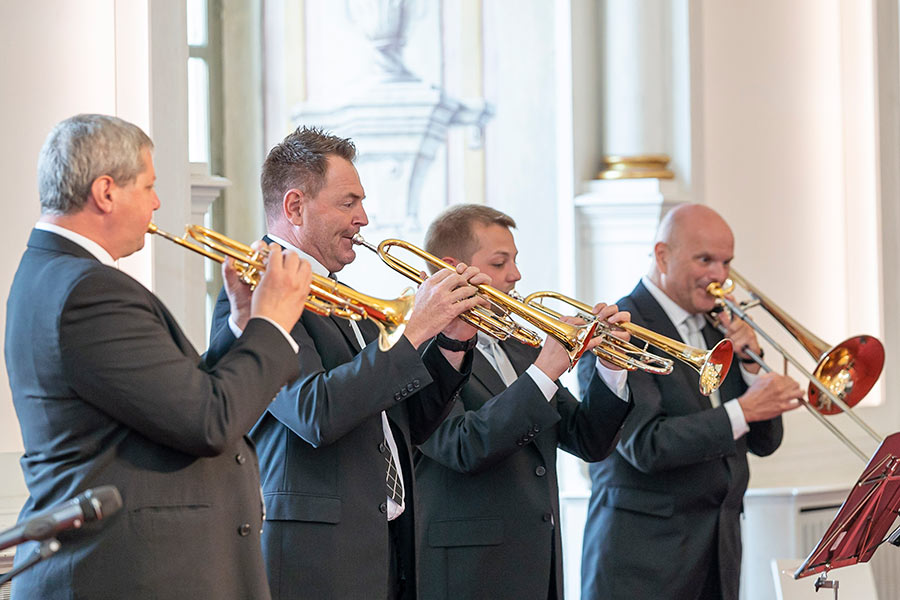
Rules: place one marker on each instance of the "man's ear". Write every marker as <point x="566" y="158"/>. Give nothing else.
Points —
<point x="292" y="204"/>
<point x="450" y="260"/>
<point x="101" y="193"/>
<point x="661" y="253"/>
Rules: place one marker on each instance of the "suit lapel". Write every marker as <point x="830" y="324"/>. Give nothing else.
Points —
<point x="343" y="325"/>
<point x="486" y="374"/>
<point x="655" y="319"/>
<point x="346" y="330"/>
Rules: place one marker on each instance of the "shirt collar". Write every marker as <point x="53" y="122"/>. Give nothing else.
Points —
<point x="676" y="314"/>
<point x="485" y="341"/>
<point x="317" y="267"/>
<point x="96" y="250"/>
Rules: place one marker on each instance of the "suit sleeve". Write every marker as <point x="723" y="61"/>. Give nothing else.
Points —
<point x="325" y="404"/>
<point x="121" y="355"/>
<point x="765" y="437"/>
<point x="428" y="409"/>
<point x="472" y="441"/>
<point x="653" y="440"/>
<point x="590" y="429"/>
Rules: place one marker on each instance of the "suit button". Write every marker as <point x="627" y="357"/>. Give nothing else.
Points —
<point x="536" y="428"/>
<point x="520" y="443"/>
<point x="382" y="447"/>
<point x="244" y="530"/>
<point x="240" y="459"/>
<point x="404" y="393"/>
<point x="540" y="471"/>
<point x="382" y="507"/>
<point x="410" y="387"/>
<point x="416" y="383"/>
<point x="547" y="517"/>
<point x="397" y="396"/>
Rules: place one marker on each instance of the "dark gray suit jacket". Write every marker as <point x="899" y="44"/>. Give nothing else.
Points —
<point x="487" y="481"/>
<point x="109" y="391"/>
<point x="322" y="456"/>
<point x="666" y="505"/>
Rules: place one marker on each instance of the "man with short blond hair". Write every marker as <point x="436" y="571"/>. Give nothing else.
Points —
<point x="487" y="475"/>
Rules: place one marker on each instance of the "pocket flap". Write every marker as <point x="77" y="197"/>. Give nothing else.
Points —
<point x="286" y="506"/>
<point x="642" y="501"/>
<point x="466" y="532"/>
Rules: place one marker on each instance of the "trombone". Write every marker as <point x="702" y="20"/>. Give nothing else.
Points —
<point x="326" y="296"/>
<point x="712" y="365"/>
<point x="500" y="325"/>
<point x="844" y="374"/>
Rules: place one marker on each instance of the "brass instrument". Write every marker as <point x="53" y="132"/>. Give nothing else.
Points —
<point x="712" y="365"/>
<point x="574" y="338"/>
<point x="326" y="296"/>
<point x="844" y="374"/>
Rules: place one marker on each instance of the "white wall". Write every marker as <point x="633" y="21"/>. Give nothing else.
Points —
<point x="788" y="151"/>
<point x="120" y="57"/>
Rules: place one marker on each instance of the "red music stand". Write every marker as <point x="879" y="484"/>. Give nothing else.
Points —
<point x="865" y="517"/>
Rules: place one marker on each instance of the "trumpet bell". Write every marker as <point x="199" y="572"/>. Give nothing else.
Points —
<point x="849" y="370"/>
<point x="716" y="366"/>
<point x="391" y="317"/>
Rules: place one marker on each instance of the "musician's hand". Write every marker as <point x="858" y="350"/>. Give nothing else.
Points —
<point x="553" y="359"/>
<point x="743" y="337"/>
<point x="769" y="396"/>
<point x="283" y="288"/>
<point x="440" y="299"/>
<point x="238" y="294"/>
<point x="612" y="315"/>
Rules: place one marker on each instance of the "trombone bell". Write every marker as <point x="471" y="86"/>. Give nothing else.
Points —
<point x="849" y="370"/>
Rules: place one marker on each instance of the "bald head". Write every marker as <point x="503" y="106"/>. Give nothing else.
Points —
<point x="693" y="247"/>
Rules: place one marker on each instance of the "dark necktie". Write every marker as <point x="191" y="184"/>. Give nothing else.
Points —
<point x="392" y="481"/>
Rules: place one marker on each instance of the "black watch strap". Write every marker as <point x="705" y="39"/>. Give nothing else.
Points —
<point x="456" y="345"/>
<point x="750" y="361"/>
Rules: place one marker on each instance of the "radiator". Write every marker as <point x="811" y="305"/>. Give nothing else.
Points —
<point x="788" y="523"/>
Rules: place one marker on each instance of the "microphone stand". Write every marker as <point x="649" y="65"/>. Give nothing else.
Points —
<point x="47" y="549"/>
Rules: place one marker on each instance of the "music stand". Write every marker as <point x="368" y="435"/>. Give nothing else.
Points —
<point x="864" y="518"/>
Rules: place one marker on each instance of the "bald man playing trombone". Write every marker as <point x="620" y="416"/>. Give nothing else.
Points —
<point x="664" y="515"/>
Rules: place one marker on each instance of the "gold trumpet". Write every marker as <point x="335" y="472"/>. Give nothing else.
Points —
<point x="712" y="365"/>
<point x="326" y="296"/>
<point x="498" y="324"/>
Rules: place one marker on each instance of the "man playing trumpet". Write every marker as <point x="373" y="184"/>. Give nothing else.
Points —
<point x="487" y="476"/>
<point x="336" y="445"/>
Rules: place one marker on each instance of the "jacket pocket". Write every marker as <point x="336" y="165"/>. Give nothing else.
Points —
<point x="640" y="501"/>
<point x="465" y="532"/>
<point x="287" y="506"/>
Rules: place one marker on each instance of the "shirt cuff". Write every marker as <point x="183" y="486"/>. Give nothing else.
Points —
<point x="544" y="383"/>
<point x="749" y="377"/>
<point x="739" y="425"/>
<point x="615" y="379"/>
<point x="237" y="331"/>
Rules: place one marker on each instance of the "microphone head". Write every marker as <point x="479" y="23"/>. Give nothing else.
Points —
<point x="100" y="502"/>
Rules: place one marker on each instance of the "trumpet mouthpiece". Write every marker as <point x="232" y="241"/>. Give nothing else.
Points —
<point x="359" y="240"/>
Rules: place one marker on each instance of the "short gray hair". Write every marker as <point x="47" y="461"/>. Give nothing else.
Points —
<point x="81" y="149"/>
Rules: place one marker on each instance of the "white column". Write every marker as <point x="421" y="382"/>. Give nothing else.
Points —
<point x="646" y="92"/>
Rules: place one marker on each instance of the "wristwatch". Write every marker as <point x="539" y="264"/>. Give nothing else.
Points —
<point x="456" y="345"/>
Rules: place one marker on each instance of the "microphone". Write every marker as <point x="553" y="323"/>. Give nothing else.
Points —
<point x="91" y="505"/>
